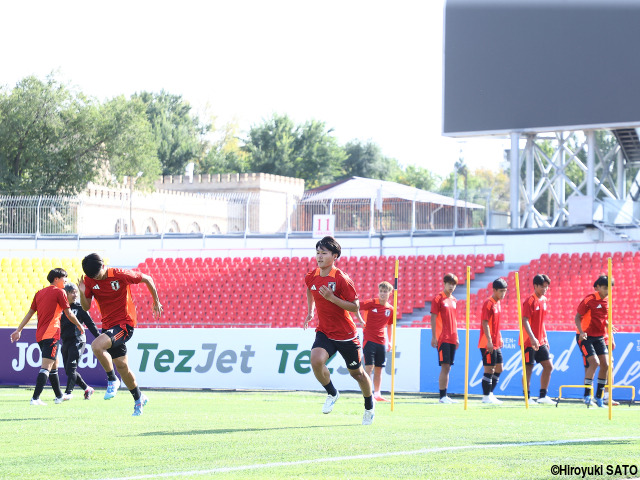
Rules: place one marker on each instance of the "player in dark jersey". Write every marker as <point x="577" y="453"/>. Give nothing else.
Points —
<point x="377" y="318"/>
<point x="48" y="303"/>
<point x="444" y="332"/>
<point x="110" y="287"/>
<point x="592" y="320"/>
<point x="333" y="293"/>
<point x="536" y="345"/>
<point x="490" y="342"/>
<point x="73" y="343"/>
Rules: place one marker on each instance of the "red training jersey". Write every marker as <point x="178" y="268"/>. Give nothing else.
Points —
<point x="49" y="304"/>
<point x="595" y="315"/>
<point x="491" y="311"/>
<point x="446" y="325"/>
<point x="377" y="316"/>
<point x="114" y="296"/>
<point x="535" y="309"/>
<point x="333" y="321"/>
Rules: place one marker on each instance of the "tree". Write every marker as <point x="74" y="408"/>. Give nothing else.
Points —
<point x="223" y="154"/>
<point x="417" y="177"/>
<point x="307" y="151"/>
<point x="177" y="134"/>
<point x="365" y="160"/>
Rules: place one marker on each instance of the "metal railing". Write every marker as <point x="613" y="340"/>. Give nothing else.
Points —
<point x="38" y="215"/>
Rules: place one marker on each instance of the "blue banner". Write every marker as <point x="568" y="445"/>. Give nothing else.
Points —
<point x="567" y="362"/>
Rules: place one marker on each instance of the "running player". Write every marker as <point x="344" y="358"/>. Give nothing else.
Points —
<point x="444" y="332"/>
<point x="490" y="341"/>
<point x="536" y="345"/>
<point x="48" y="303"/>
<point x="377" y="318"/>
<point x="592" y="320"/>
<point x="111" y="288"/>
<point x="73" y="343"/>
<point x="333" y="292"/>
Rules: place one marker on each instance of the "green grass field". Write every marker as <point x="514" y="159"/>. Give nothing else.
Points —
<point x="276" y="435"/>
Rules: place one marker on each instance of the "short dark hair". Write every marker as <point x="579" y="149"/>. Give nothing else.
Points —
<point x="499" y="283"/>
<point x="602" y="281"/>
<point x="91" y="265"/>
<point x="450" y="278"/>
<point x="56" y="273"/>
<point x="541" y="279"/>
<point x="70" y="287"/>
<point x="331" y="244"/>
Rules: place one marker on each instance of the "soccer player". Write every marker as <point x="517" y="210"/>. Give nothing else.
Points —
<point x="536" y="345"/>
<point x="48" y="303"/>
<point x="377" y="318"/>
<point x="592" y="320"/>
<point x="110" y="287"/>
<point x="490" y="341"/>
<point x="444" y="332"/>
<point x="73" y="342"/>
<point x="334" y="294"/>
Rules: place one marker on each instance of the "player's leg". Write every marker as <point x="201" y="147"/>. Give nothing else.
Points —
<point x="446" y="355"/>
<point x="352" y="354"/>
<point x="54" y="380"/>
<point x="43" y="374"/>
<point x="543" y="357"/>
<point x="70" y="356"/>
<point x="591" y="363"/>
<point x="377" y="381"/>
<point x="603" y="373"/>
<point x="529" y="360"/>
<point x="369" y="355"/>
<point x="496" y="374"/>
<point x="100" y="347"/>
<point x="488" y="365"/>
<point x="379" y="358"/>
<point x="321" y="351"/>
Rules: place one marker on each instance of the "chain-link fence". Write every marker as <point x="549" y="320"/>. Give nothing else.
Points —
<point x="38" y="215"/>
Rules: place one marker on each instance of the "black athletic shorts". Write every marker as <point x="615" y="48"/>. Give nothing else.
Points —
<point x="446" y="353"/>
<point x="491" y="359"/>
<point x="374" y="354"/>
<point x="540" y="356"/>
<point x="72" y="348"/>
<point x="49" y="348"/>
<point x="591" y="346"/>
<point x="119" y="335"/>
<point x="349" y="349"/>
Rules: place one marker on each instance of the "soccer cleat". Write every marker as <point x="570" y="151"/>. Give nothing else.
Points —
<point x="599" y="402"/>
<point x="487" y="399"/>
<point x="588" y="401"/>
<point x="88" y="392"/>
<point x="330" y="402"/>
<point x="495" y="399"/>
<point x="367" y="418"/>
<point x="545" y="401"/>
<point x="379" y="398"/>
<point x="112" y="389"/>
<point x="137" y="407"/>
<point x="36" y="401"/>
<point x="59" y="400"/>
<point x="447" y="400"/>
<point x="67" y="396"/>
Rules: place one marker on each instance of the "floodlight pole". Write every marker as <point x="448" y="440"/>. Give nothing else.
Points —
<point x="514" y="157"/>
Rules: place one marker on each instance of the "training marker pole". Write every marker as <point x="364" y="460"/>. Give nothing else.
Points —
<point x="610" y="319"/>
<point x="524" y="365"/>
<point x="393" y="342"/>
<point x="466" y="340"/>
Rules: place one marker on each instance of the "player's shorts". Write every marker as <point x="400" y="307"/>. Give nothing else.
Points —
<point x="71" y="350"/>
<point x="590" y="347"/>
<point x="349" y="349"/>
<point x="446" y="353"/>
<point x="49" y="348"/>
<point x="491" y="359"/>
<point x="374" y="353"/>
<point x="540" y="356"/>
<point x="119" y="335"/>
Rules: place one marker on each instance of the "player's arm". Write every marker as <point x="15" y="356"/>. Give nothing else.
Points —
<point x="328" y="294"/>
<point x="360" y="319"/>
<point x="151" y="286"/>
<point x="578" y="321"/>
<point x="85" y="303"/>
<point x="487" y="334"/>
<point x="15" y="336"/>
<point x="73" y="319"/>
<point x="389" y="336"/>
<point x="85" y="318"/>
<point x="310" y="309"/>
<point x="527" y="327"/>
<point x="434" y="340"/>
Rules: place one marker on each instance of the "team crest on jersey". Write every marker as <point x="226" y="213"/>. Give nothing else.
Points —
<point x="115" y="285"/>
<point x="332" y="286"/>
<point x="387" y="313"/>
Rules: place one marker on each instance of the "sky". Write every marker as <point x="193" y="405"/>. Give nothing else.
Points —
<point x="371" y="70"/>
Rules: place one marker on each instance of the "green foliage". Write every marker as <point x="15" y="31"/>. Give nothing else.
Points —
<point x="417" y="177"/>
<point x="366" y="160"/>
<point x="223" y="153"/>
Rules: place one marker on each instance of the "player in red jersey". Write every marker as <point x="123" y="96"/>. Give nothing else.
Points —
<point x="333" y="293"/>
<point x="110" y="287"/>
<point x="536" y="345"/>
<point x="48" y="303"/>
<point x="490" y="341"/>
<point x="377" y="318"/>
<point x="444" y="332"/>
<point x="592" y="321"/>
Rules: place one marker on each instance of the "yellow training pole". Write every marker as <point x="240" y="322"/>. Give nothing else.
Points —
<point x="524" y="365"/>
<point x="393" y="343"/>
<point x="610" y="319"/>
<point x="466" y="341"/>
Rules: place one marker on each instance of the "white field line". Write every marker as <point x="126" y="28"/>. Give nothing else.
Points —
<point x="368" y="456"/>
